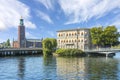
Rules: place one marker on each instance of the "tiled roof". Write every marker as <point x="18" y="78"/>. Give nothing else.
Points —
<point x="34" y="40"/>
<point x="74" y="29"/>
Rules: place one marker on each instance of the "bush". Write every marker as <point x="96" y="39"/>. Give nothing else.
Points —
<point x="49" y="46"/>
<point x="70" y="52"/>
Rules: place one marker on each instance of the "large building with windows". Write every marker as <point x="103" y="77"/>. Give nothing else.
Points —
<point x="74" y="38"/>
<point x="22" y="42"/>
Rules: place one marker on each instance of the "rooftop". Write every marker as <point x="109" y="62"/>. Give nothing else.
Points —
<point x="74" y="29"/>
<point x="34" y="40"/>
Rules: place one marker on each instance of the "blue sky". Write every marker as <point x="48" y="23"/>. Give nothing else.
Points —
<point x="42" y="18"/>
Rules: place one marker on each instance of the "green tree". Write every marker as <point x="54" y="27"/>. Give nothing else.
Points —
<point x="7" y="44"/>
<point x="104" y="37"/>
<point x="96" y="35"/>
<point x="49" y="46"/>
<point x="111" y="35"/>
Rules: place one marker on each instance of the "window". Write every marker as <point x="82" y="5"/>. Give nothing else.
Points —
<point x="69" y="34"/>
<point x="69" y="41"/>
<point x="82" y="40"/>
<point x="75" y="40"/>
<point x="82" y="34"/>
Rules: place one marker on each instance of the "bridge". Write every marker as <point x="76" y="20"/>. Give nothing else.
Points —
<point x="19" y="51"/>
<point x="108" y="52"/>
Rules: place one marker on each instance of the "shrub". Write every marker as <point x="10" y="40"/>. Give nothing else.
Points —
<point x="70" y="52"/>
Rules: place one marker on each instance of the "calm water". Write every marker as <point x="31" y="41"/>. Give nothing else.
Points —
<point x="39" y="68"/>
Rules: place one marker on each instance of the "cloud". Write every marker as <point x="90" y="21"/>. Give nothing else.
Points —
<point x="45" y="17"/>
<point x="116" y="21"/>
<point x="83" y="10"/>
<point x="10" y="13"/>
<point x="47" y="3"/>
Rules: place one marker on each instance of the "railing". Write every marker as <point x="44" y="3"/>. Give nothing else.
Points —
<point x="102" y="49"/>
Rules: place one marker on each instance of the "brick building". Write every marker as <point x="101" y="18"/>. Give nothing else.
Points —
<point x="22" y="42"/>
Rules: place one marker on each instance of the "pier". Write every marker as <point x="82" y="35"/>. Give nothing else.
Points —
<point x="19" y="51"/>
<point x="108" y="52"/>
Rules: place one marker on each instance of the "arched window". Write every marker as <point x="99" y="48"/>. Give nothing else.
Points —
<point x="72" y="34"/>
<point x="82" y="34"/>
<point x="75" y="40"/>
<point x="59" y="35"/>
<point x="69" y="41"/>
<point x="82" y="40"/>
<point x="66" y="41"/>
<point x="69" y="34"/>
<point x="72" y="40"/>
<point x="75" y="34"/>
<point x="66" y="34"/>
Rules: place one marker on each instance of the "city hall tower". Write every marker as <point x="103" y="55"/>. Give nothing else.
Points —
<point x="21" y="34"/>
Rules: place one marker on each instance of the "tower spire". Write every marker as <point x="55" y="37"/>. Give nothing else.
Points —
<point x="21" y="21"/>
<point x="21" y="17"/>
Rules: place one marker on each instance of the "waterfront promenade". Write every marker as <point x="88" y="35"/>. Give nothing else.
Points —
<point x="108" y="52"/>
<point x="19" y="51"/>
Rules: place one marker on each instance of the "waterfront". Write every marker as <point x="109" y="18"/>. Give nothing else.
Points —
<point x="58" y="68"/>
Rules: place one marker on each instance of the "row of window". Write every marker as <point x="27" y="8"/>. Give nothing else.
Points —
<point x="71" y="41"/>
<point x="72" y="46"/>
<point x="81" y="47"/>
<point x="72" y="34"/>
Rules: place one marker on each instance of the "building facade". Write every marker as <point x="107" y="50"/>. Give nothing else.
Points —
<point x="22" y="42"/>
<point x="74" y="38"/>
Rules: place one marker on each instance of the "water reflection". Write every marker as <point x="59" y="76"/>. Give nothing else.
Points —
<point x="49" y="68"/>
<point x="21" y="67"/>
<point x="71" y="68"/>
<point x="101" y="68"/>
<point x="87" y="68"/>
<point x="58" y="68"/>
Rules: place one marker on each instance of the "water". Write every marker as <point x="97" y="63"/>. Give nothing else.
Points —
<point x="58" y="68"/>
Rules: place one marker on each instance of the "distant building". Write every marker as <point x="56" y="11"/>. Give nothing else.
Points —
<point x="22" y="42"/>
<point x="2" y="45"/>
<point x="74" y="38"/>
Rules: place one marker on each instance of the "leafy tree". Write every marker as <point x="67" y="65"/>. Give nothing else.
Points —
<point x="49" y="46"/>
<point x="8" y="43"/>
<point x="111" y="35"/>
<point x="96" y="35"/>
<point x="104" y="37"/>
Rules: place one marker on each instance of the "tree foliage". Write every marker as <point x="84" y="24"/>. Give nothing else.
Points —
<point x="49" y="46"/>
<point x="8" y="43"/>
<point x="70" y="52"/>
<point x="107" y="36"/>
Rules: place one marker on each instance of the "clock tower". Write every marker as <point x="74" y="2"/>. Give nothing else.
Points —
<point x="21" y="34"/>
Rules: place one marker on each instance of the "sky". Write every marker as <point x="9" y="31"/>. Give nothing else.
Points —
<point x="42" y="18"/>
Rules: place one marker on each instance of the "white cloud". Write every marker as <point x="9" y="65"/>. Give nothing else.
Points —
<point x="83" y="10"/>
<point x="10" y="13"/>
<point x="47" y="3"/>
<point x="45" y="17"/>
<point x="116" y="21"/>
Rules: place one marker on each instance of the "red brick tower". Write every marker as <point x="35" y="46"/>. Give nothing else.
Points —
<point x="21" y="34"/>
